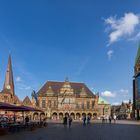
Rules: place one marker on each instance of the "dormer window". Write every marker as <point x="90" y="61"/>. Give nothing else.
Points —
<point x="49" y="91"/>
<point x="83" y="92"/>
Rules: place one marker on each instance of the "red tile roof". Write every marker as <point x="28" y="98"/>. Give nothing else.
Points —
<point x="56" y="86"/>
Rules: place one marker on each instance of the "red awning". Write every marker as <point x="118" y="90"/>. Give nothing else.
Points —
<point x="4" y="106"/>
<point x="10" y="107"/>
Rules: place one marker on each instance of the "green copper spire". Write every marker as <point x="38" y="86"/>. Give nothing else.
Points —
<point x="102" y="101"/>
<point x="138" y="55"/>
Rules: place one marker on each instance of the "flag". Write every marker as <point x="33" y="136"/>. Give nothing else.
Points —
<point x="63" y="97"/>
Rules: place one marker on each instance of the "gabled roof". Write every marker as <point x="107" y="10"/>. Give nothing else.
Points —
<point x="56" y="86"/>
<point x="138" y="55"/>
<point x="27" y="101"/>
<point x="16" y="100"/>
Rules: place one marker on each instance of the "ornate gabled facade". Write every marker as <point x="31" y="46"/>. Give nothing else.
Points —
<point x="27" y="101"/>
<point x="58" y="99"/>
<point x="8" y="92"/>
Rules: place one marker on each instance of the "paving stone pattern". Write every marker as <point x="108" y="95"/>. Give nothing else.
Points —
<point x="94" y="131"/>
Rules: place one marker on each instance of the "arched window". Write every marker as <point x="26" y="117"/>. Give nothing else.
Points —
<point x="88" y="104"/>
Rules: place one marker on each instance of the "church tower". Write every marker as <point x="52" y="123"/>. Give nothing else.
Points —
<point x="9" y="82"/>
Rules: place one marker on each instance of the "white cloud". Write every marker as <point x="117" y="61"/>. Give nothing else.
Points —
<point x="116" y="103"/>
<point x="125" y="101"/>
<point x="23" y="87"/>
<point x="125" y="91"/>
<point x="122" y="27"/>
<point x="18" y="79"/>
<point x="108" y="94"/>
<point x="27" y="88"/>
<point x="109" y="54"/>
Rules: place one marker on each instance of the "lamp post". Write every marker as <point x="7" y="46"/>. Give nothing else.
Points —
<point x="69" y="107"/>
<point x="14" y="114"/>
<point x="103" y="111"/>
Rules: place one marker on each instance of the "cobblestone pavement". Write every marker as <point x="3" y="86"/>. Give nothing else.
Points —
<point x="123" y="130"/>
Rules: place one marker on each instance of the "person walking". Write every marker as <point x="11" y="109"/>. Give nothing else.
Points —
<point x="65" y="121"/>
<point x="107" y="118"/>
<point x="88" y="120"/>
<point x="45" y="122"/>
<point x="103" y="119"/>
<point x="110" y="119"/>
<point x="27" y="121"/>
<point x="114" y="117"/>
<point x="84" y="120"/>
<point x="70" y="121"/>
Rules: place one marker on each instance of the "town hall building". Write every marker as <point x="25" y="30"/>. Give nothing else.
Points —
<point x="57" y="99"/>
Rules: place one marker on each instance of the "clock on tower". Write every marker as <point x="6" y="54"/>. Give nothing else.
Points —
<point x="8" y="87"/>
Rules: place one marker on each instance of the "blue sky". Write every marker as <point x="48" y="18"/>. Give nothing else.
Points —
<point x="88" y="41"/>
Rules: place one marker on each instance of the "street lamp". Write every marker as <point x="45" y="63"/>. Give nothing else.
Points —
<point x="14" y="114"/>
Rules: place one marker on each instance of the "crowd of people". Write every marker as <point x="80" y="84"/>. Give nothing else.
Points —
<point x="67" y="120"/>
<point x="109" y="119"/>
<point x="4" y="120"/>
<point x="86" y="120"/>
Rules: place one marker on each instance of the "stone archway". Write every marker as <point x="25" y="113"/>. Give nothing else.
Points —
<point x="72" y="115"/>
<point x="42" y="116"/>
<point x="78" y="116"/>
<point x="35" y="116"/>
<point x="90" y="115"/>
<point x="54" y="116"/>
<point x="61" y="116"/>
<point x="83" y="115"/>
<point x="67" y="114"/>
<point x="95" y="115"/>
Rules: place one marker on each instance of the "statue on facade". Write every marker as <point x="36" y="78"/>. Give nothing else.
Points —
<point x="34" y="97"/>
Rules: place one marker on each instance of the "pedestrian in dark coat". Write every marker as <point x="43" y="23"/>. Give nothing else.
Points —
<point x="84" y="120"/>
<point x="88" y="120"/>
<point x="65" y="121"/>
<point x="110" y="119"/>
<point x="70" y="121"/>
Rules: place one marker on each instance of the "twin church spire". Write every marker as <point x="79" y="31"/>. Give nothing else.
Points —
<point x="9" y="81"/>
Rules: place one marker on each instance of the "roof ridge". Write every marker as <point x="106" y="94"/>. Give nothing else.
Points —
<point x="64" y="82"/>
<point x="26" y="97"/>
